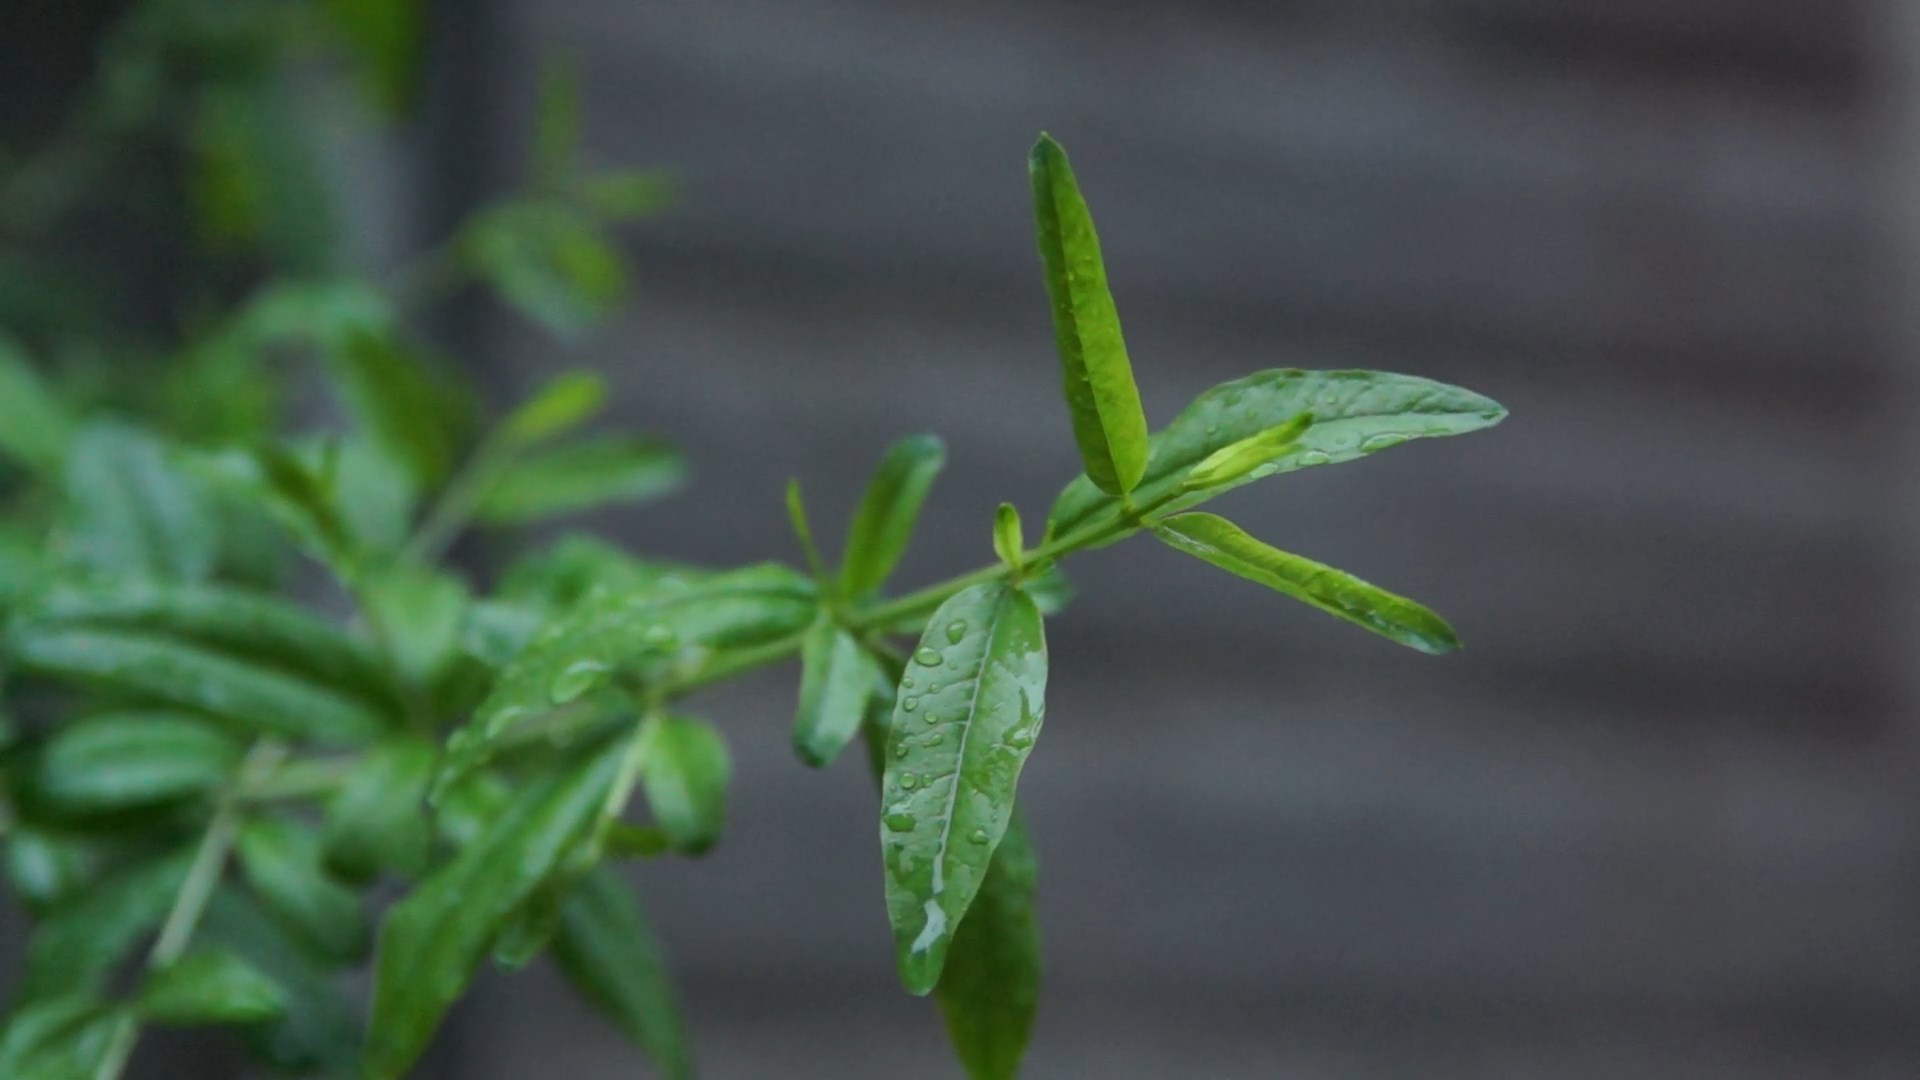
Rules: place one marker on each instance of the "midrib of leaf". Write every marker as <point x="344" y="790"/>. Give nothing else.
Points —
<point x="960" y="752"/>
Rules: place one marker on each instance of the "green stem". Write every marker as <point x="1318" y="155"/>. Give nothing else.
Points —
<point x="196" y="889"/>
<point x="457" y="504"/>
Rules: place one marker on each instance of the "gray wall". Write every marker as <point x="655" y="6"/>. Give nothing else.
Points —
<point x="1656" y="821"/>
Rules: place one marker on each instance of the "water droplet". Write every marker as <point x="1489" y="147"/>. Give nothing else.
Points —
<point x="927" y="655"/>
<point x="909" y="704"/>
<point x="1020" y="738"/>
<point x="978" y="836"/>
<point x="932" y="719"/>
<point x="933" y="688"/>
<point x="906" y="683"/>
<point x="1213" y="429"/>
<point x="898" y="820"/>
<point x="956" y="630"/>
<point x="576" y="679"/>
<point x="901" y="750"/>
<point x="1315" y="457"/>
<point x="934" y="739"/>
<point x="908" y="781"/>
<point x="1381" y="441"/>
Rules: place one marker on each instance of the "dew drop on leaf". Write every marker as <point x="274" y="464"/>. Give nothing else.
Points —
<point x="908" y="781"/>
<point x="909" y="704"/>
<point x="576" y="679"/>
<point x="901" y="750"/>
<point x="978" y="836"/>
<point x="927" y="655"/>
<point x="956" y="630"/>
<point x="898" y="820"/>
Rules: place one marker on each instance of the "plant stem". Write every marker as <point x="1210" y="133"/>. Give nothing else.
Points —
<point x="196" y="889"/>
<point x="461" y="498"/>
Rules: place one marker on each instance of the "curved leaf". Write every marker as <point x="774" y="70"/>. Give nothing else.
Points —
<point x="608" y="952"/>
<point x="282" y="861"/>
<point x="836" y="679"/>
<point x="1102" y="400"/>
<point x="970" y="706"/>
<point x="884" y="521"/>
<point x="580" y="476"/>
<point x="377" y="819"/>
<point x="131" y="512"/>
<point x="1355" y="413"/>
<point x="683" y="771"/>
<point x="1336" y="592"/>
<point x="117" y="760"/>
<point x="991" y="986"/>
<point x="209" y="986"/>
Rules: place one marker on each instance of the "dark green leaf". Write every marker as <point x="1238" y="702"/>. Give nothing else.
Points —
<point x="1222" y="543"/>
<point x="836" y="679"/>
<point x="608" y="952"/>
<point x="1102" y="400"/>
<point x="389" y="38"/>
<point x="684" y="770"/>
<point x="431" y="942"/>
<point x="131" y="512"/>
<point x="73" y="949"/>
<point x="1355" y="413"/>
<point x="884" y="522"/>
<point x="558" y="407"/>
<point x="581" y="476"/>
<point x="282" y="862"/>
<point x="46" y="868"/>
<point x="991" y="985"/>
<point x="170" y="672"/>
<point x="377" y="818"/>
<point x="61" y="1038"/>
<point x="416" y="415"/>
<point x="970" y="706"/>
<point x="321" y="1026"/>
<point x="209" y="986"/>
<point x="38" y="427"/>
<point x="118" y="760"/>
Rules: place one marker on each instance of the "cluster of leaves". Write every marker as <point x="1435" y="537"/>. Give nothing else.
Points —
<point x="259" y="733"/>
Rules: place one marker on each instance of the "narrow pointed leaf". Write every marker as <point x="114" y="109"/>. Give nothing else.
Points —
<point x="1102" y="401"/>
<point x="803" y="532"/>
<point x="970" y="706"/>
<point x="883" y="524"/>
<point x="118" y="760"/>
<point x="1336" y="592"/>
<point x="1242" y="459"/>
<point x="319" y="1030"/>
<point x="836" y="679"/>
<point x="991" y="985"/>
<point x="377" y="820"/>
<point x="683" y="771"/>
<point x="580" y="476"/>
<point x="62" y="1038"/>
<point x="75" y="948"/>
<point x="416" y="414"/>
<point x="209" y="986"/>
<point x="606" y="949"/>
<point x="563" y="404"/>
<point x="432" y="941"/>
<point x="1355" y="413"/>
<point x="131" y="511"/>
<point x="1007" y="540"/>
<point x="282" y="862"/>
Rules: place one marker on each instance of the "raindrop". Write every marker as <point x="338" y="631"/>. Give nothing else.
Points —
<point x="978" y="836"/>
<point x="901" y="750"/>
<point x="910" y="704"/>
<point x="576" y="679"/>
<point x="908" y="781"/>
<point x="1380" y="442"/>
<point x="659" y="638"/>
<point x="906" y="683"/>
<point x="956" y="630"/>
<point x="934" y="739"/>
<point x="927" y="655"/>
<point x="1315" y="457"/>
<point x="898" y="820"/>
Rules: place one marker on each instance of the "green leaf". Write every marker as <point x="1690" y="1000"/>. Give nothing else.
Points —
<point x="431" y="942"/>
<point x="131" y="512"/>
<point x="301" y="497"/>
<point x="46" y="868"/>
<point x="282" y="862"/>
<point x="38" y="427"/>
<point x="639" y="633"/>
<point x="561" y="405"/>
<point x="1222" y="543"/>
<point x="606" y="949"/>
<point x="549" y="260"/>
<point x="320" y="1028"/>
<point x="61" y="1038"/>
<point x="373" y="497"/>
<point x="683" y="771"/>
<point x="836" y="679"/>
<point x="884" y="522"/>
<point x="803" y="532"/>
<point x="1355" y="413"/>
<point x="1231" y="462"/>
<point x="118" y="760"/>
<point x="377" y="819"/>
<point x="416" y="415"/>
<point x="991" y="985"/>
<point x="581" y="476"/>
<point x="559" y="576"/>
<point x="1108" y="423"/>
<point x="169" y="672"/>
<point x="209" y="986"/>
<point x="389" y="37"/>
<point x="242" y="623"/>
<point x="1007" y="540"/>
<point x="970" y="706"/>
<point x="629" y="194"/>
<point x="420" y="614"/>
<point x="77" y="946"/>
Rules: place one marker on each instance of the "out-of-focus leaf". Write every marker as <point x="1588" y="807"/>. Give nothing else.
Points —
<point x="46" y="868"/>
<point x="884" y="522"/>
<point x="606" y="949"/>
<point x="630" y="194"/>
<point x="118" y="760"/>
<point x="683" y="771"/>
<point x="420" y="613"/>
<point x="209" y="986"/>
<point x="1220" y="542"/>
<point x="836" y="679"/>
<point x="37" y="427"/>
<point x="131" y="513"/>
<point x="326" y="314"/>
<point x="580" y="476"/>
<point x="170" y="672"/>
<point x="74" y="948"/>
<point x="556" y="122"/>
<point x="253" y="181"/>
<point x="416" y="415"/>
<point x="1102" y="400"/>
<point x="991" y="985"/>
<point x="320" y="1028"/>
<point x="559" y="576"/>
<point x="431" y="942"/>
<point x="549" y="260"/>
<point x="62" y="1038"/>
<point x="282" y="862"/>
<point x="373" y="496"/>
<point x="388" y="38"/>
<point x="377" y="819"/>
<point x="561" y="405"/>
<point x="1355" y="413"/>
<point x="969" y="708"/>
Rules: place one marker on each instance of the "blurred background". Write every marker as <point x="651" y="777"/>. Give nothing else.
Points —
<point x="1658" y="820"/>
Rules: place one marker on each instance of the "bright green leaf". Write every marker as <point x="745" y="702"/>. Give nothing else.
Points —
<point x="1104" y="404"/>
<point x="563" y="404"/>
<point x="420" y="614"/>
<point x="683" y="771"/>
<point x="606" y="949"/>
<point x="1007" y="540"/>
<point x="991" y="985"/>
<point x="1222" y="543"/>
<point x="118" y="760"/>
<point x="209" y="986"/>
<point x="377" y="818"/>
<point x="836" y="680"/>
<point x="1355" y="413"/>
<point x="281" y="860"/>
<point x="1246" y="457"/>
<point x="884" y="521"/>
<point x="970" y="706"/>
<point x="581" y="476"/>
<point x="132" y="512"/>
